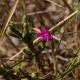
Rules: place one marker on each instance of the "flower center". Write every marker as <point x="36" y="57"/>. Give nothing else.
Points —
<point x="44" y="34"/>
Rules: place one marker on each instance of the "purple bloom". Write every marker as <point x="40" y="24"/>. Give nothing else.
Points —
<point x="44" y="34"/>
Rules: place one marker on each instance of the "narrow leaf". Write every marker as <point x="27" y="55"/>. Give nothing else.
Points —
<point x="78" y="4"/>
<point x="14" y="65"/>
<point x="68" y="6"/>
<point x="62" y="23"/>
<point x="70" y="65"/>
<point x="73" y="59"/>
<point x="68" y="71"/>
<point x="21" y="71"/>
<point x="9" y="18"/>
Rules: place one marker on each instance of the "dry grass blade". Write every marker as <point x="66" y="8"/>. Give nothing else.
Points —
<point x="55" y="4"/>
<point x="9" y="17"/>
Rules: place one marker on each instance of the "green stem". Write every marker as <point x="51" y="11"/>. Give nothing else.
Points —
<point x="69" y="70"/>
<point x="2" y="72"/>
<point x="68" y="6"/>
<point x="8" y="75"/>
<point x="39" y="63"/>
<point x="15" y="65"/>
<point x="54" y="58"/>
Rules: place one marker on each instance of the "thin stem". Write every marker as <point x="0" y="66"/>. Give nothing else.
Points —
<point x="77" y="45"/>
<point x="2" y="72"/>
<point x="15" y="65"/>
<point x="39" y="63"/>
<point x="69" y="70"/>
<point x="68" y="6"/>
<point x="8" y="75"/>
<point x="54" y="58"/>
<point x="60" y="41"/>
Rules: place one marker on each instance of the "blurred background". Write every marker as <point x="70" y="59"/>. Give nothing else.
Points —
<point x="42" y="14"/>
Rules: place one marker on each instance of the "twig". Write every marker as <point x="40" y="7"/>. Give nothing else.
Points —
<point x="54" y="59"/>
<point x="56" y="4"/>
<point x="15" y="18"/>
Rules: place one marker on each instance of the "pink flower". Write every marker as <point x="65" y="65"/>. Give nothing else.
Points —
<point x="44" y="34"/>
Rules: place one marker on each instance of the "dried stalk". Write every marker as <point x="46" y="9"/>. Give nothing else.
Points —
<point x="15" y="18"/>
<point x="22" y="2"/>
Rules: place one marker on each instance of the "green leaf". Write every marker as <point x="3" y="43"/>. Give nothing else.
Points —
<point x="78" y="4"/>
<point x="3" y="72"/>
<point x="26" y="52"/>
<point x="12" y="24"/>
<point x="26" y="27"/>
<point x="12" y="28"/>
<point x="72" y="61"/>
<point x="14" y="65"/>
<point x="21" y="71"/>
<point x="70" y="67"/>
<point x="68" y="6"/>
<point x="12" y="34"/>
<point x="25" y="19"/>
<point x="25" y="57"/>
<point x="9" y="18"/>
<point x="33" y="76"/>
<point x="68" y="71"/>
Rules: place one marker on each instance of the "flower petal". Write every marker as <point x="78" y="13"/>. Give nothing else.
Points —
<point x="49" y="36"/>
<point x="42" y="30"/>
<point x="47" y="31"/>
<point x="40" y="35"/>
<point x="44" y="38"/>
